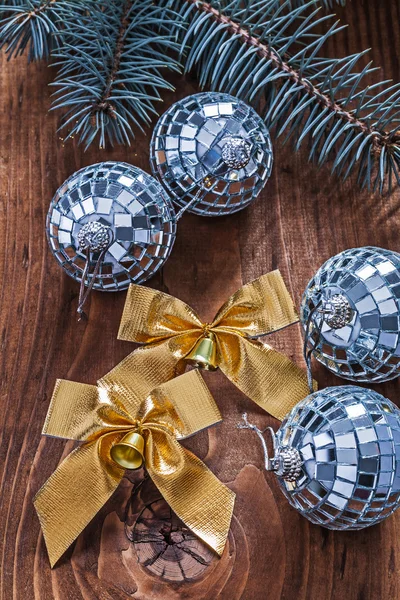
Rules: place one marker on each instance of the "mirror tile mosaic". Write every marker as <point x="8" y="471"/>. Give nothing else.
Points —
<point x="128" y="200"/>
<point x="349" y="440"/>
<point x="197" y="143"/>
<point x="368" y="347"/>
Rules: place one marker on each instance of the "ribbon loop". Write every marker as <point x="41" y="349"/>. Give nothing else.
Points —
<point x="103" y="420"/>
<point x="172" y="330"/>
<point x="258" y="308"/>
<point x="151" y="316"/>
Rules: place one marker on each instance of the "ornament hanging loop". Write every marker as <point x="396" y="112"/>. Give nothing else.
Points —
<point x="193" y="201"/>
<point x="309" y="344"/>
<point x="93" y="237"/>
<point x="268" y="462"/>
<point x="286" y="461"/>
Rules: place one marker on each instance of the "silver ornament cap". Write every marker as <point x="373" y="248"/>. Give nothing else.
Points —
<point x="287" y="463"/>
<point x="236" y="153"/>
<point x="94" y="236"/>
<point x="337" y="311"/>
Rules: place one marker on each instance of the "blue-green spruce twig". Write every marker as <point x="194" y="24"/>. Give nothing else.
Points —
<point x="34" y="25"/>
<point x="270" y="54"/>
<point x="110" y="69"/>
<point x="113" y="58"/>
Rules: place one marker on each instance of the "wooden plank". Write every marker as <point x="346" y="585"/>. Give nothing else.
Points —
<point x="302" y="218"/>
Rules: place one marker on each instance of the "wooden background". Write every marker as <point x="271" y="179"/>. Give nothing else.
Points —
<point x="302" y="218"/>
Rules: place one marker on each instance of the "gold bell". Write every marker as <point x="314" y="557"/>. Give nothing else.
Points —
<point x="204" y="353"/>
<point x="129" y="451"/>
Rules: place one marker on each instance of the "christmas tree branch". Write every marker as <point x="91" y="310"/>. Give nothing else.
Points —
<point x="112" y="55"/>
<point x="248" y="51"/>
<point x="266" y="51"/>
<point x="110" y="66"/>
<point x="104" y="104"/>
<point x="33" y="24"/>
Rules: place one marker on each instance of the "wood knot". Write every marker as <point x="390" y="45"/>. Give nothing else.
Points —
<point x="164" y="545"/>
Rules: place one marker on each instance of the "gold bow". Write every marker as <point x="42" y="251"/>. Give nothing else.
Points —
<point x="100" y="416"/>
<point x="171" y="329"/>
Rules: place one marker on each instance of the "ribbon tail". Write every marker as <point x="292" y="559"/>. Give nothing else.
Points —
<point x="73" y="495"/>
<point x="193" y="492"/>
<point x="265" y="375"/>
<point x="73" y="411"/>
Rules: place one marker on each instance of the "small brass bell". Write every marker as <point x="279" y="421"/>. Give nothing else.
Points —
<point x="129" y="451"/>
<point x="204" y="353"/>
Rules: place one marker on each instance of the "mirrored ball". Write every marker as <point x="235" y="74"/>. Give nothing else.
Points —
<point x="215" y="145"/>
<point x="118" y="200"/>
<point x="361" y="342"/>
<point x="349" y="441"/>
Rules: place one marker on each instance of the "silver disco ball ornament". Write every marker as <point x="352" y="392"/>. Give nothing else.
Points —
<point x="347" y="441"/>
<point x="116" y="209"/>
<point x="351" y="314"/>
<point x="211" y="150"/>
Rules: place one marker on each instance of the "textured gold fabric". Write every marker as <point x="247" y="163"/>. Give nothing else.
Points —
<point x="170" y="329"/>
<point x="99" y="416"/>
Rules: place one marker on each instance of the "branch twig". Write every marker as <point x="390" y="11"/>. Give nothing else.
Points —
<point x="379" y="139"/>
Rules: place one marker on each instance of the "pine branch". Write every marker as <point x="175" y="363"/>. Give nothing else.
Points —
<point x="32" y="25"/>
<point x="248" y="52"/>
<point x="110" y="68"/>
<point x="268" y="52"/>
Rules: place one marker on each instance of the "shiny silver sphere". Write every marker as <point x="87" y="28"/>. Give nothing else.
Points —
<point x="111" y="202"/>
<point x="349" y="441"/>
<point x="353" y="305"/>
<point x="214" y="145"/>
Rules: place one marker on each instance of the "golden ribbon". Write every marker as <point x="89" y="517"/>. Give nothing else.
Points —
<point x="100" y="416"/>
<point x="171" y="329"/>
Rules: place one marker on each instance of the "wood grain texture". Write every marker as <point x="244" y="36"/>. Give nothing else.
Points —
<point x="302" y="218"/>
